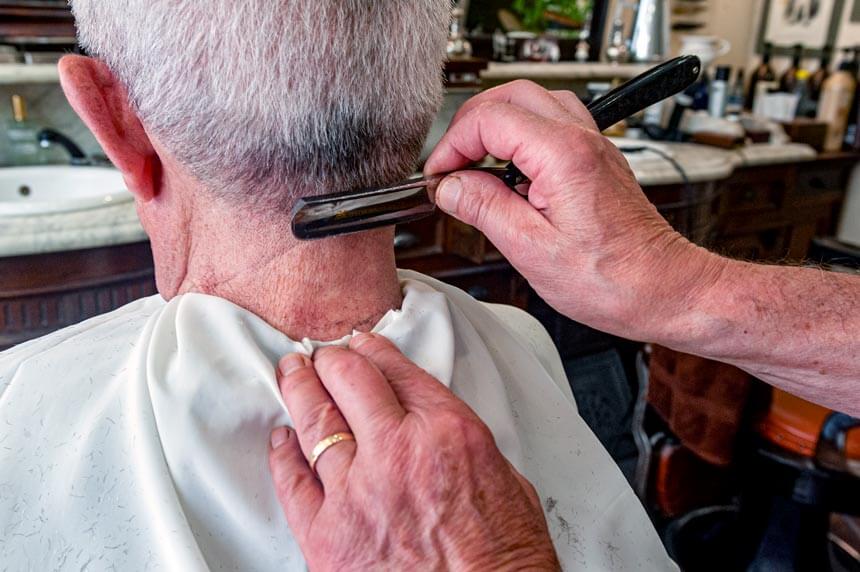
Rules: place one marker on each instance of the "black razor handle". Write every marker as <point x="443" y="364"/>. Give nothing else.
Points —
<point x="645" y="90"/>
<point x="641" y="92"/>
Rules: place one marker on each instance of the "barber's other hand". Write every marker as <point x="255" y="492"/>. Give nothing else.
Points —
<point x="422" y="487"/>
<point x="586" y="237"/>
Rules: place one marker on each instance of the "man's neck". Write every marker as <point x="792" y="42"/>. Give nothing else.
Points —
<point x="321" y="290"/>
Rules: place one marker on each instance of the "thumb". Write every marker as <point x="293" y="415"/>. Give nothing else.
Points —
<point x="485" y="202"/>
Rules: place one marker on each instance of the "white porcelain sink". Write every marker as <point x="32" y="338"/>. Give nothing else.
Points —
<point x="27" y="191"/>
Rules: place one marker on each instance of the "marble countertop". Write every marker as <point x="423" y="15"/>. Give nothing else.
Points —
<point x="701" y="163"/>
<point x="28" y="73"/>
<point x="76" y="230"/>
<point x="118" y="224"/>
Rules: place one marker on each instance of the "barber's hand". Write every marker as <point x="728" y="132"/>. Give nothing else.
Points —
<point x="423" y="485"/>
<point x="586" y="237"/>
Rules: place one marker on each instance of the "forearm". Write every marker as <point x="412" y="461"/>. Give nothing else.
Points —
<point x="795" y="328"/>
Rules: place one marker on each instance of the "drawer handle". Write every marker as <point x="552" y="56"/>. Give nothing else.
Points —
<point x="403" y="240"/>
<point x="817" y="183"/>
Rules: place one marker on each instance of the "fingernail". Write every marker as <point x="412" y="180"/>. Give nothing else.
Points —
<point x="279" y="437"/>
<point x="360" y="340"/>
<point x="448" y="194"/>
<point x="292" y="362"/>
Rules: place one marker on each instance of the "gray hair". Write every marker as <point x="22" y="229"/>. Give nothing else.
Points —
<point x="263" y="100"/>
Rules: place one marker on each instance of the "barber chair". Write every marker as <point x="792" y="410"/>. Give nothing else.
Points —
<point x="799" y="498"/>
<point x="688" y="417"/>
<point x="804" y="467"/>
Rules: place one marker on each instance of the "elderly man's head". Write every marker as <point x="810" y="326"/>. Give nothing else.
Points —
<point x="263" y="100"/>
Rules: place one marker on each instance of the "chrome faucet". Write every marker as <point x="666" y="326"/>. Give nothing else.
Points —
<point x="48" y="137"/>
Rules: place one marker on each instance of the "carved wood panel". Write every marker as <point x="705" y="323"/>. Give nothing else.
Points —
<point x="43" y="293"/>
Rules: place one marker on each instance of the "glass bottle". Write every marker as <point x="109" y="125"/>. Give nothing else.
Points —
<point x="788" y="80"/>
<point x="762" y="75"/>
<point x="735" y="103"/>
<point x="805" y="105"/>
<point x="821" y="74"/>
<point x="834" y="107"/>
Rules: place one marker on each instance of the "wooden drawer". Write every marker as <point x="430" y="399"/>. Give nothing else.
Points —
<point x="750" y="197"/>
<point x="820" y="180"/>
<point x="757" y="190"/>
<point x="41" y="293"/>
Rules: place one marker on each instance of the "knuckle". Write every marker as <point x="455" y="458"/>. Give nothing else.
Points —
<point x="320" y="420"/>
<point x="287" y="482"/>
<point x="476" y="206"/>
<point x="336" y="362"/>
<point x="565" y="95"/>
<point x="371" y="344"/>
<point x="462" y="429"/>
<point x="487" y="108"/>
<point x="525" y="85"/>
<point x="589" y="149"/>
<point x="298" y="378"/>
<point x="476" y="434"/>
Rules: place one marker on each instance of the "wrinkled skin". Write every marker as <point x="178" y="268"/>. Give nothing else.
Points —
<point x="590" y="243"/>
<point x="422" y="487"/>
<point x="586" y="237"/>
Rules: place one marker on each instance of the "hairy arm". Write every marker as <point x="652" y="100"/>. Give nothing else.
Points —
<point x="795" y="328"/>
<point x="592" y="245"/>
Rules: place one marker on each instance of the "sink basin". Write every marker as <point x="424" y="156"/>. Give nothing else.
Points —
<point x="27" y="191"/>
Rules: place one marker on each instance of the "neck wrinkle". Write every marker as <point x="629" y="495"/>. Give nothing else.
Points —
<point x="320" y="290"/>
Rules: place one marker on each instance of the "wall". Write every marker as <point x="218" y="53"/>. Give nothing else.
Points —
<point x="737" y="21"/>
<point x="734" y="20"/>
<point x="47" y="107"/>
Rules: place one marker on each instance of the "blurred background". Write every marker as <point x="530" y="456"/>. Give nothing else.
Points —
<point x="757" y="160"/>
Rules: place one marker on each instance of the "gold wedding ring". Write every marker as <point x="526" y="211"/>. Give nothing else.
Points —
<point x="324" y="444"/>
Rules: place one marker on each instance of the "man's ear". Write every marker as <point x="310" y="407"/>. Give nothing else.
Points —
<point x="102" y="103"/>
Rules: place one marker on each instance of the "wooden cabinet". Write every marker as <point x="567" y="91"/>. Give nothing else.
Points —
<point x="43" y="293"/>
<point x="772" y="213"/>
<point x="22" y="19"/>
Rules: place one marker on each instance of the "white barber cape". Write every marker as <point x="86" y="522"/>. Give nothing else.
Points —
<point x="138" y="440"/>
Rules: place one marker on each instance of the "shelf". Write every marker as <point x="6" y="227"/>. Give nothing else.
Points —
<point x="561" y="70"/>
<point x="28" y="73"/>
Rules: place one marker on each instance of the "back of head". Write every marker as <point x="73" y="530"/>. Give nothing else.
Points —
<point x="265" y="100"/>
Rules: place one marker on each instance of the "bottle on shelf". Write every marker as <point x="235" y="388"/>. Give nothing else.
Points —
<point x="719" y="92"/>
<point x="788" y="79"/>
<point x="816" y="81"/>
<point x="735" y="103"/>
<point x="22" y="146"/>
<point x="762" y="79"/>
<point x="805" y="105"/>
<point x="834" y="106"/>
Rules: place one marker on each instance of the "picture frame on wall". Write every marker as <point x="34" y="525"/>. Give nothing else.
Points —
<point x="848" y="33"/>
<point x="812" y="23"/>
